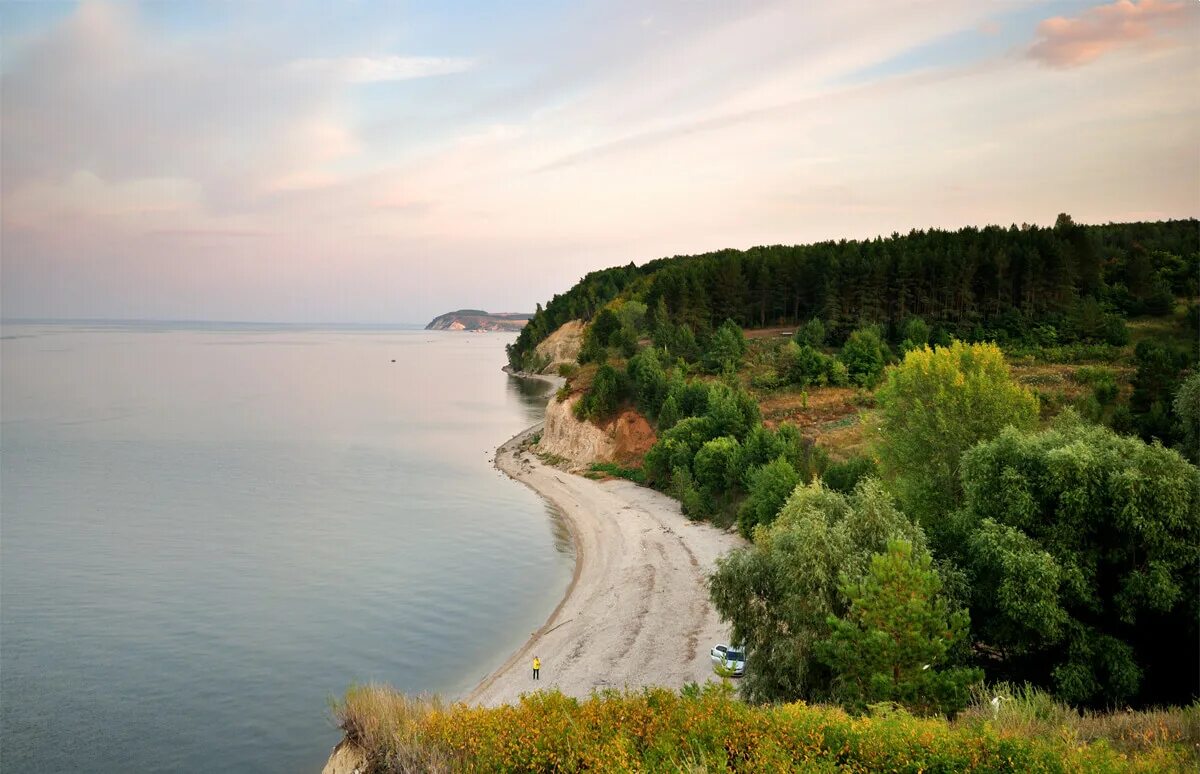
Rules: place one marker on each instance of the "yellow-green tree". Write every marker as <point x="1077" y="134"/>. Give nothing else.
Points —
<point x="934" y="406"/>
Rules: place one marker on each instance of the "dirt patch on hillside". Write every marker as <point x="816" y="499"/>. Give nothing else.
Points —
<point x="844" y="439"/>
<point x="827" y="415"/>
<point x="1062" y="380"/>
<point x="812" y="410"/>
<point x="632" y="437"/>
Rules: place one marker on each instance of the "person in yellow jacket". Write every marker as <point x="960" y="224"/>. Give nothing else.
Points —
<point x="537" y="665"/>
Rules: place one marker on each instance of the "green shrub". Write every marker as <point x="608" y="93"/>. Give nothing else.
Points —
<point x="811" y="334"/>
<point x="609" y="388"/>
<point x="844" y="476"/>
<point x="767" y="379"/>
<point x="864" y="355"/>
<point x="914" y="333"/>
<point x="534" y="363"/>
<point x="691" y="502"/>
<point x="726" y="349"/>
<point x="636" y="475"/>
<point x="810" y="367"/>
<point x="716" y="465"/>
<point x="770" y="486"/>
<point x="760" y="446"/>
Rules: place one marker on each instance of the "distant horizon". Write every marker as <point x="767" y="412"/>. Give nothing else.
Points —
<point x="312" y="323"/>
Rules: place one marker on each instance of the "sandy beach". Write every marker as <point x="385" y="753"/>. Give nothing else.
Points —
<point x="636" y="612"/>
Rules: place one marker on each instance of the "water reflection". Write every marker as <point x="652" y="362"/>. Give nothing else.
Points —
<point x="200" y="539"/>
<point x="563" y="542"/>
<point x="533" y="394"/>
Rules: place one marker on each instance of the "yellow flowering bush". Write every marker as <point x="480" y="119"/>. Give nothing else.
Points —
<point x="657" y="730"/>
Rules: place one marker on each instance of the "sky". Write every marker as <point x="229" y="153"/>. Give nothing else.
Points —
<point x="386" y="162"/>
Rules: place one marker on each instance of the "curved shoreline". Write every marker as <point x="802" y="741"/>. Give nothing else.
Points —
<point x="657" y="635"/>
<point x="572" y="527"/>
<point x="636" y="611"/>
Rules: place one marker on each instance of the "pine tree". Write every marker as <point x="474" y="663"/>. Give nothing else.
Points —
<point x="895" y="641"/>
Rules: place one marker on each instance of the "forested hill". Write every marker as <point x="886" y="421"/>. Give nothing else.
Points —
<point x="966" y="282"/>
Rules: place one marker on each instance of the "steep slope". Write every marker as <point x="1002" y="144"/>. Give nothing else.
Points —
<point x="562" y="346"/>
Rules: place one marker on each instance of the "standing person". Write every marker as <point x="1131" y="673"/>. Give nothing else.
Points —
<point x="537" y="665"/>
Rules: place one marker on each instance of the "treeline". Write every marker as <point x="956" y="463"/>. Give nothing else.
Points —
<point x="989" y="283"/>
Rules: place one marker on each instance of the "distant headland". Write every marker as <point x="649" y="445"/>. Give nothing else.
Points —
<point x="478" y="320"/>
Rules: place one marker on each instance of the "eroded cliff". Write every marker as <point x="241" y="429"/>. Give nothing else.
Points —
<point x="623" y="439"/>
<point x="562" y="346"/>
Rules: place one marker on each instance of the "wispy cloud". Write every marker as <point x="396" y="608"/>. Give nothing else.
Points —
<point x="1072" y="41"/>
<point x="239" y="168"/>
<point x="204" y="233"/>
<point x="375" y="69"/>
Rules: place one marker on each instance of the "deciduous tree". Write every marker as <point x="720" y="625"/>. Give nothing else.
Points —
<point x="779" y="593"/>
<point x="1085" y="550"/>
<point x="934" y="406"/>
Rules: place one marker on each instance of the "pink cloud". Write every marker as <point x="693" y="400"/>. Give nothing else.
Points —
<point x="1069" y="42"/>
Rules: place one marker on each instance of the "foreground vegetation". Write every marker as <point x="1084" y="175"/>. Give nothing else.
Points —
<point x="707" y="730"/>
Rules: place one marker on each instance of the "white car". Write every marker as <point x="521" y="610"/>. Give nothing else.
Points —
<point x="733" y="659"/>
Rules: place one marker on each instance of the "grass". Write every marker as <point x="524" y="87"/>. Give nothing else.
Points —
<point x="708" y="730"/>
<point x="1173" y="329"/>
<point x="1031" y="712"/>
<point x="387" y="726"/>
<point x="553" y="460"/>
<point x="602" y="470"/>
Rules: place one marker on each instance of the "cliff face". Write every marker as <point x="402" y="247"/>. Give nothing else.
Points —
<point x="562" y="346"/>
<point x="582" y="443"/>
<point x="478" y="320"/>
<point x="624" y="439"/>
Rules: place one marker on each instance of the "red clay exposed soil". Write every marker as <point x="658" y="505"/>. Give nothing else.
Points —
<point x="632" y="437"/>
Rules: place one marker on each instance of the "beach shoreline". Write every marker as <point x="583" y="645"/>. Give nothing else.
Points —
<point x="636" y="611"/>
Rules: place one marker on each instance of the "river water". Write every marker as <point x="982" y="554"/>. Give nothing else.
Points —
<point x="207" y="531"/>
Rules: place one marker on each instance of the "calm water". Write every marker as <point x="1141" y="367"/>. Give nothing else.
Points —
<point x="207" y="531"/>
